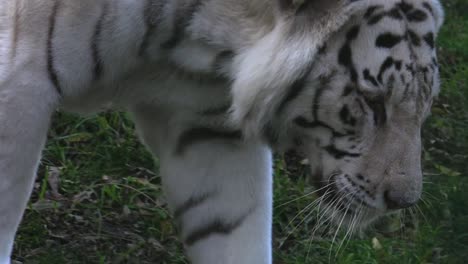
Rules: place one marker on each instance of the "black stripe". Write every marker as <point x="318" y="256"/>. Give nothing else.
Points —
<point x="200" y="134"/>
<point x="375" y="19"/>
<point x="221" y="59"/>
<point x="368" y="77"/>
<point x="387" y="40"/>
<point x="370" y="11"/>
<point x="426" y="90"/>
<point x="316" y="103"/>
<point x="405" y="7"/>
<point x="430" y="39"/>
<point x="50" y="53"/>
<point x="417" y="15"/>
<point x="410" y="67"/>
<point x="407" y="93"/>
<point x="414" y="38"/>
<point x="352" y="33"/>
<point x="293" y="92"/>
<point x="347" y="90"/>
<point x="345" y="58"/>
<point x="322" y="49"/>
<point x="346" y="116"/>
<point x="295" y="89"/>
<point x="182" y="21"/>
<point x="360" y="177"/>
<point x="387" y="64"/>
<point x="192" y="203"/>
<point x="391" y="85"/>
<point x="304" y="123"/>
<point x="339" y="154"/>
<point x="153" y="16"/>
<point x="393" y="13"/>
<point x="377" y="105"/>
<point x="217" y="226"/>
<point x="98" y="64"/>
<point x="398" y="64"/>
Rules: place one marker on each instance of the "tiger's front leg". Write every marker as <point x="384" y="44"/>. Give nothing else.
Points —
<point x="27" y="101"/>
<point x="219" y="188"/>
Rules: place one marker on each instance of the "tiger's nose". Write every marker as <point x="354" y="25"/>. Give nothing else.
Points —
<point x="395" y="200"/>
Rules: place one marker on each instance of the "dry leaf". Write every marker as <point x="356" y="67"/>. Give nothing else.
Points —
<point x="376" y="244"/>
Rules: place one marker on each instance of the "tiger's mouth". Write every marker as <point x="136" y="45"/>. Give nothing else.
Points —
<point x="347" y="203"/>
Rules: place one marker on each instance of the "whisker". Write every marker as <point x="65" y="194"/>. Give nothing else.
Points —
<point x="350" y="229"/>
<point x="426" y="203"/>
<point x="329" y="212"/>
<point x="428" y="182"/>
<point x="304" y="196"/>
<point x="318" y="224"/>
<point x="338" y="229"/>
<point x="302" y="221"/>
<point x="402" y="220"/>
<point x="321" y="221"/>
<point x="300" y="212"/>
<point x="331" y="206"/>
<point x="412" y="213"/>
<point x="422" y="214"/>
<point x="431" y="196"/>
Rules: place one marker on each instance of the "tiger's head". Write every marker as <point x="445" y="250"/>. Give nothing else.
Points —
<point x="356" y="110"/>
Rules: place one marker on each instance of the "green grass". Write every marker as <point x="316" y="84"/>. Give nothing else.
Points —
<point x="110" y="209"/>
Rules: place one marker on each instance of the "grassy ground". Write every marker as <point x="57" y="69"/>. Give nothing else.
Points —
<point x="108" y="206"/>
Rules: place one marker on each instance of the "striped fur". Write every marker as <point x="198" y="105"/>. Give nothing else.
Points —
<point x="213" y="86"/>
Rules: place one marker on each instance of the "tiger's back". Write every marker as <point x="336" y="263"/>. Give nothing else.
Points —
<point x="87" y="49"/>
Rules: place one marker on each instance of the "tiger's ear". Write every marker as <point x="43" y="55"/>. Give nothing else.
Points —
<point x="316" y="16"/>
<point x="288" y="5"/>
<point x="298" y="6"/>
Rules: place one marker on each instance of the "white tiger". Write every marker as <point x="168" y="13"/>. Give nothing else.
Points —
<point x="213" y="85"/>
